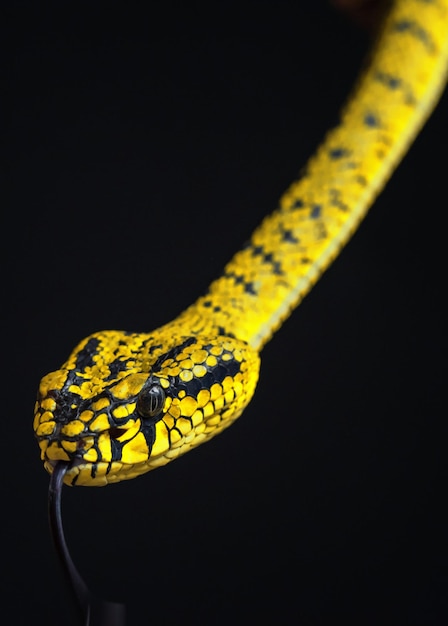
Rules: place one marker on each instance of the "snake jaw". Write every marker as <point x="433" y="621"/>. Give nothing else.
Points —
<point x="95" y="458"/>
<point x="91" y="452"/>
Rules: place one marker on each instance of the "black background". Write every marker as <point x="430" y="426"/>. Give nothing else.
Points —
<point x="143" y="146"/>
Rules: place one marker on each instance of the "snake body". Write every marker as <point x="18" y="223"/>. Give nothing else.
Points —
<point x="125" y="403"/>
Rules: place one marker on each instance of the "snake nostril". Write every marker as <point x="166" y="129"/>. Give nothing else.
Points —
<point x="116" y="433"/>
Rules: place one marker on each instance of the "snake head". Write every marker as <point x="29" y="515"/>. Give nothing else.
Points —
<point x="125" y="403"/>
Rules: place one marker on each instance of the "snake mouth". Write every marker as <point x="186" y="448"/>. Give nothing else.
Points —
<point x="72" y="465"/>
<point x="98" y="457"/>
<point x="72" y="468"/>
<point x="85" y="473"/>
<point x="94" y="471"/>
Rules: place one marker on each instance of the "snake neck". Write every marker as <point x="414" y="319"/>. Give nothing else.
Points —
<point x="316" y="216"/>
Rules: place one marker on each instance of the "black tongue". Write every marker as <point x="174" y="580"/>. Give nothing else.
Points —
<point x="91" y="610"/>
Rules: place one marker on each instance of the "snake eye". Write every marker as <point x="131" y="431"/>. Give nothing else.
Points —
<point x="150" y="401"/>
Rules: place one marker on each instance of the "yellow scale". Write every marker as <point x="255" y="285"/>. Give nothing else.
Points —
<point x="125" y="403"/>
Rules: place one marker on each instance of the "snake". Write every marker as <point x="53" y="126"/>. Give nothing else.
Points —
<point x="125" y="403"/>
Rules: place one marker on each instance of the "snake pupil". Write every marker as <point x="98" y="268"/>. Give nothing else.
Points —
<point x="151" y="401"/>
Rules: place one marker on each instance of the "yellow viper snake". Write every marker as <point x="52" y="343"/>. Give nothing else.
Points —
<point x="125" y="403"/>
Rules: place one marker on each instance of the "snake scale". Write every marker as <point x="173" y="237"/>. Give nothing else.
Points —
<point x="125" y="403"/>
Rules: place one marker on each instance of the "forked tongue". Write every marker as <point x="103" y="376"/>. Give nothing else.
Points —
<point x="91" y="610"/>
